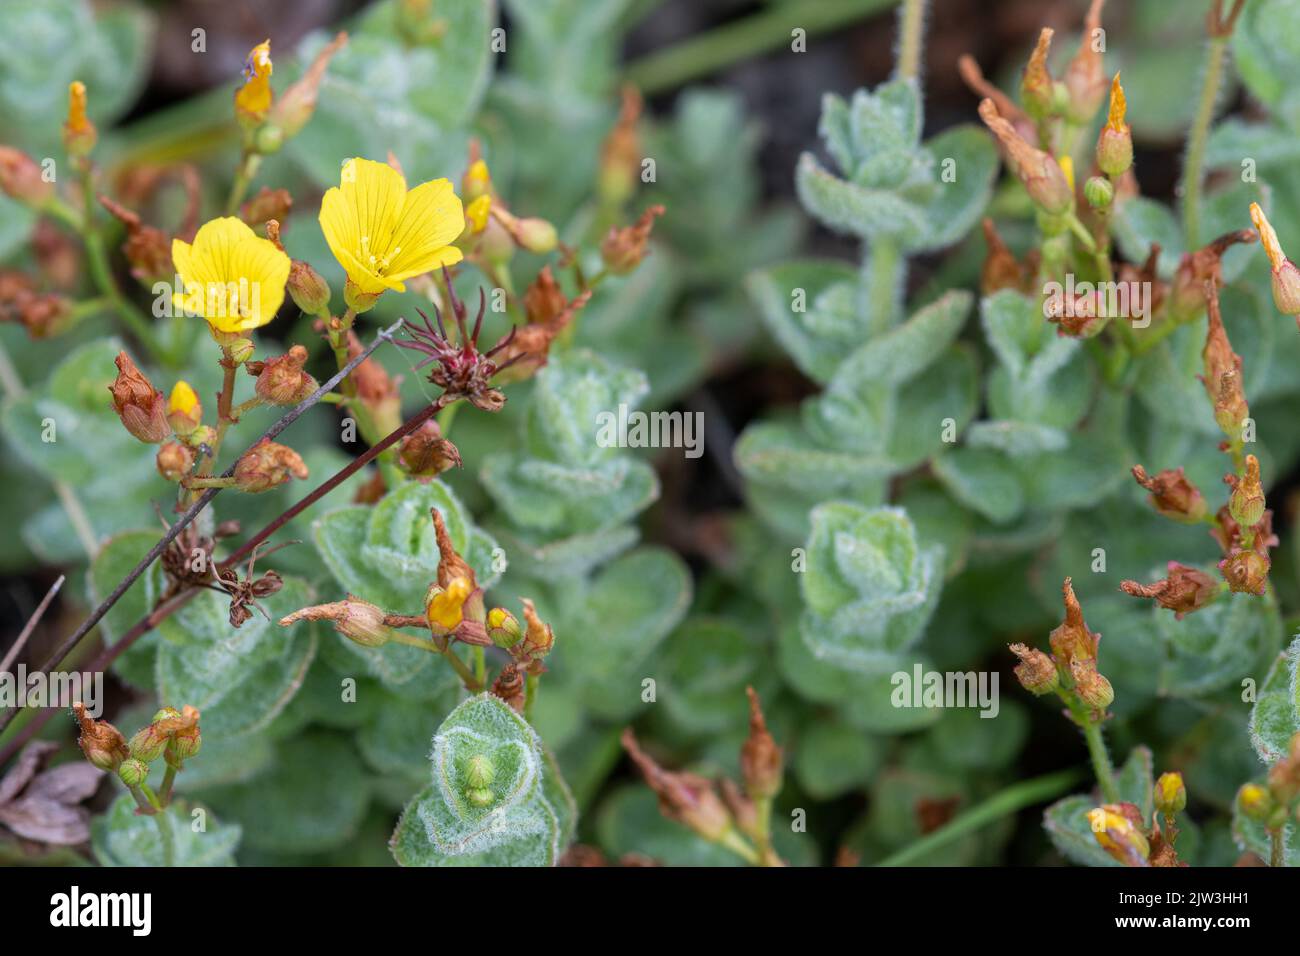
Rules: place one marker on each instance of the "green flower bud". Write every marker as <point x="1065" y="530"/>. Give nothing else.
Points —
<point x="133" y="772"/>
<point x="1099" y="192"/>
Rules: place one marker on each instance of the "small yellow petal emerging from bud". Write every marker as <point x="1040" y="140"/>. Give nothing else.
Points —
<point x="79" y="133"/>
<point x="1286" y="277"/>
<point x="184" y="412"/>
<point x="253" y="99"/>
<point x="1118" y="106"/>
<point x="445" y="606"/>
<point x="1117" y="834"/>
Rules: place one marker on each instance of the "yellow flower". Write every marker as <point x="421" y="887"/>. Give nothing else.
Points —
<point x="445" y="607"/>
<point x="382" y="234"/>
<point x="477" y="213"/>
<point x="253" y="99"/>
<point x="183" y="399"/>
<point x="231" y="276"/>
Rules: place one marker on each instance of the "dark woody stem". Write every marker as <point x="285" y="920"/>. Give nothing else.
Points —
<point x="67" y="645"/>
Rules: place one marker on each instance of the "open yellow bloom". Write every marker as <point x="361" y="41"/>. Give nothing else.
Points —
<point x="230" y="276"/>
<point x="381" y="234"/>
<point x="253" y="99"/>
<point x="445" y="607"/>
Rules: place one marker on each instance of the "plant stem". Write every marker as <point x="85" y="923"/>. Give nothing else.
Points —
<point x="289" y="417"/>
<point x="1100" y="761"/>
<point x="97" y="260"/>
<point x="168" y="841"/>
<point x="733" y="42"/>
<point x="165" y="791"/>
<point x="531" y="685"/>
<point x="480" y="666"/>
<point x="1197" y="137"/>
<point x="1276" y="848"/>
<point x="738" y="845"/>
<point x="1014" y="798"/>
<point x="883" y="281"/>
<point x="911" y="27"/>
<point x="243" y="177"/>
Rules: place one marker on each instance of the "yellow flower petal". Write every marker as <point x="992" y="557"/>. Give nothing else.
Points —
<point x="381" y="233"/>
<point x="183" y="398"/>
<point x="231" y="276"/>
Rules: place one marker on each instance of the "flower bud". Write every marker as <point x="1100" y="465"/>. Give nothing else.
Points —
<point x="150" y="741"/>
<point x="309" y="291"/>
<point x="1119" y="835"/>
<point x="266" y="465"/>
<point x="1072" y="640"/>
<point x="623" y="249"/>
<point x="538" y="638"/>
<point x="426" y="453"/>
<point x="1246" y="571"/>
<point x="184" y="411"/>
<point x="283" y="381"/>
<point x="138" y="403"/>
<point x="1093" y="689"/>
<point x="1170" y="794"/>
<point x="1286" y="277"/>
<point x="683" y="797"/>
<point x="1184" y="590"/>
<point x="536" y="235"/>
<point x="1173" y="495"/>
<point x="1099" y="192"/>
<point x="1037" y="89"/>
<point x="1222" y="376"/>
<point x="544" y="300"/>
<point x="761" y="762"/>
<point x="477" y="182"/>
<point x="186" y="741"/>
<point x="101" y="742"/>
<point x="479" y="772"/>
<point x="253" y="99"/>
<point x="503" y="627"/>
<point x="1085" y="81"/>
<point x="1036" y="671"/>
<point x="133" y="772"/>
<point x="174" y="460"/>
<point x="79" y="133"/>
<point x="1115" y="142"/>
<point x="1246" y="503"/>
<point x="357" y="620"/>
<point x="298" y="102"/>
<point x="476" y="215"/>
<point x="1042" y="176"/>
<point x="21" y="178"/>
<point x="1255" y="801"/>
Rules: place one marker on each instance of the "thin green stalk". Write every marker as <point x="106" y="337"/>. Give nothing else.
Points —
<point x="738" y="845"/>
<point x="169" y="781"/>
<point x="1100" y="761"/>
<point x="248" y="167"/>
<point x="1276" y="848"/>
<point x="164" y="823"/>
<point x="1197" y="137"/>
<point x="1003" y="803"/>
<point x="733" y="42"/>
<point x="530" y="696"/>
<point x="480" y="666"/>
<point x="911" y="28"/>
<point x="97" y="259"/>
